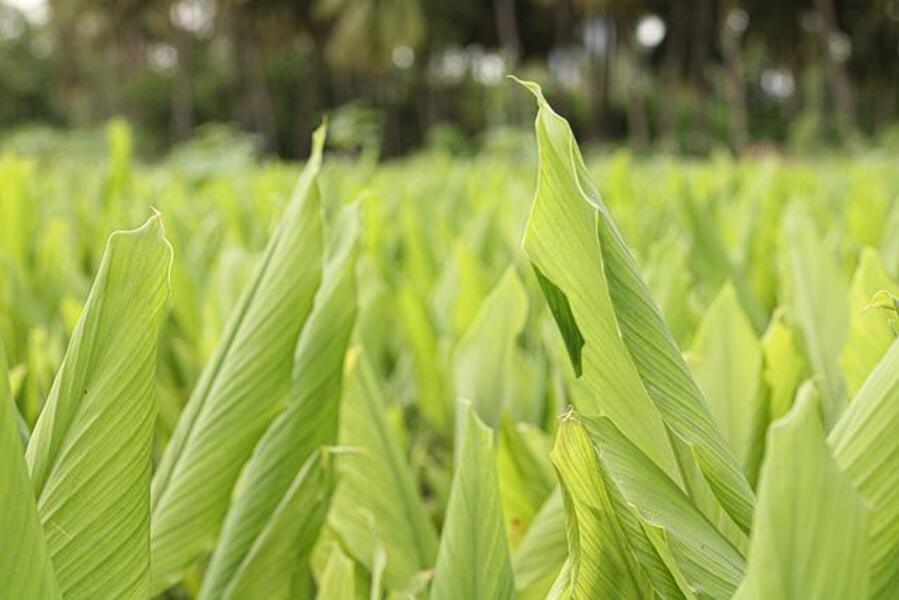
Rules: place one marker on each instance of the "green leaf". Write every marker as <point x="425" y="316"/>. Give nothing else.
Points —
<point x="784" y="366"/>
<point x="726" y="360"/>
<point x="431" y="380"/>
<point x="710" y="563"/>
<point x="870" y="333"/>
<point x="562" y="244"/>
<point x="242" y="389"/>
<point x="282" y="547"/>
<point x="629" y="358"/>
<point x="377" y="503"/>
<point x="310" y="421"/>
<point x="484" y="357"/>
<point x="337" y="581"/>
<point x="809" y="538"/>
<point x="526" y="476"/>
<point x="473" y="560"/>
<point x="866" y="448"/>
<point x="542" y="550"/>
<point x="710" y="252"/>
<point x="602" y="563"/>
<point x="818" y="300"/>
<point x="668" y="278"/>
<point x="89" y="453"/>
<point x="25" y="568"/>
<point x="460" y="290"/>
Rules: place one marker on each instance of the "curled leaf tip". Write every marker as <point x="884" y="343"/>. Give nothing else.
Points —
<point x="884" y="300"/>
<point x="532" y="87"/>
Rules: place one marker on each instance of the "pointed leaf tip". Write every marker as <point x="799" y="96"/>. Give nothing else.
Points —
<point x="532" y="87"/>
<point x="319" y="136"/>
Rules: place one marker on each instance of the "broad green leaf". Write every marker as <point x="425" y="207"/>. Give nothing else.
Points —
<point x="337" y="581"/>
<point x="458" y="294"/>
<point x="866" y="448"/>
<point x="709" y="251"/>
<point x="562" y="244"/>
<point x="17" y="207"/>
<point x="539" y="556"/>
<point x="628" y="355"/>
<point x="817" y="295"/>
<point x="89" y="453"/>
<point x="473" y="559"/>
<point x="484" y="357"/>
<point x="726" y="360"/>
<point x="870" y="333"/>
<point x="783" y="366"/>
<point x="602" y="563"/>
<point x="710" y="563"/>
<point x="242" y="389"/>
<point x="668" y="278"/>
<point x="377" y="503"/>
<point x="526" y="476"/>
<point x="431" y="380"/>
<point x="809" y="538"/>
<point x="282" y="547"/>
<point x="309" y="422"/>
<point x="25" y="568"/>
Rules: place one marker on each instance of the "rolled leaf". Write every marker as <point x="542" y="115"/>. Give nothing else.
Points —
<point x="25" y="568"/>
<point x="726" y="360"/>
<point x="473" y="560"/>
<point x="810" y="536"/>
<point x="310" y="421"/>
<point x="817" y="295"/>
<point x="711" y="564"/>
<point x="377" y="503"/>
<point x="282" y="547"/>
<point x="628" y="357"/>
<point x="89" y="454"/>
<point x="601" y="560"/>
<point x="866" y="448"/>
<point x="242" y="389"/>
<point x="484" y="357"/>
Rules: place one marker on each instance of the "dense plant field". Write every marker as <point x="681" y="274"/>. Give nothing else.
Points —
<point x="682" y="383"/>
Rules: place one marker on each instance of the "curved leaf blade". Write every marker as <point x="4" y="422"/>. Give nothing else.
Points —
<point x="89" y="454"/>
<point x="310" y="422"/>
<point x="25" y="570"/>
<point x="810" y="534"/>
<point x="473" y="560"/>
<point x="483" y="358"/>
<point x="377" y="503"/>
<point x="866" y="448"/>
<point x="287" y="538"/>
<point x="630" y="358"/>
<point x="243" y="387"/>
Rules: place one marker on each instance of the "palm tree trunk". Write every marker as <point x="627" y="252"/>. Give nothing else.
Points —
<point x="837" y="75"/>
<point x="182" y="93"/>
<point x="734" y="81"/>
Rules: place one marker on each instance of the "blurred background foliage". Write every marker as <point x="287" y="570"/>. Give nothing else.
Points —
<point x="681" y="75"/>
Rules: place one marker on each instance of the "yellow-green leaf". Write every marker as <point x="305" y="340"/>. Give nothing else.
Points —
<point x="25" y="568"/>
<point x="242" y="389"/>
<point x="473" y="559"/>
<point x="809" y="538"/>
<point x="870" y="332"/>
<point x="89" y="454"/>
